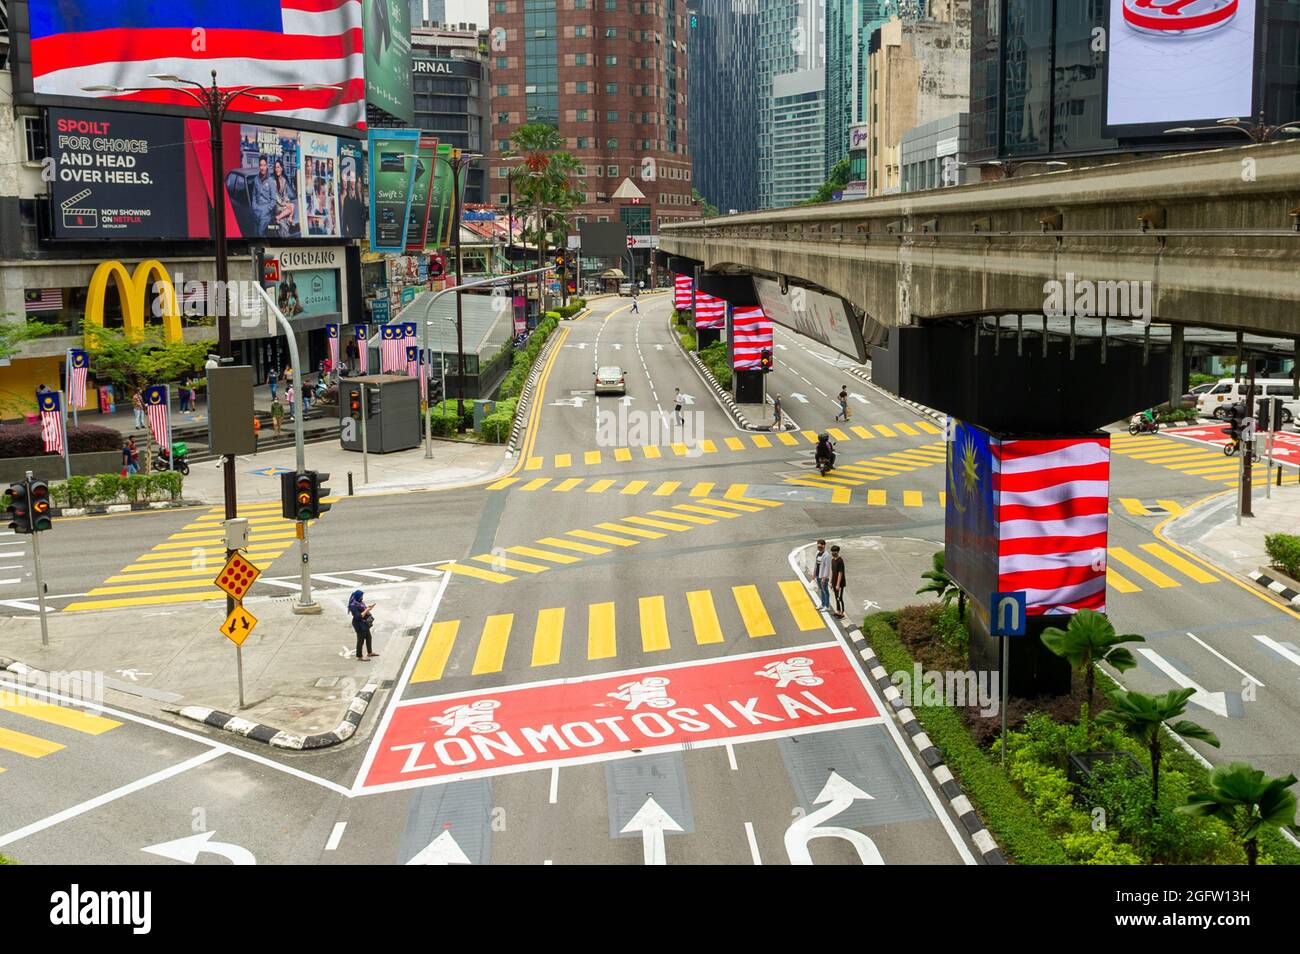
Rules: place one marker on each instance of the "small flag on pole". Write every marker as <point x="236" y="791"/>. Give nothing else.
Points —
<point x="332" y="337"/>
<point x="391" y="344"/>
<point x="51" y="421"/>
<point x="414" y="370"/>
<point x="79" y="363"/>
<point x="155" y="405"/>
<point x="363" y="350"/>
<point x="682" y="292"/>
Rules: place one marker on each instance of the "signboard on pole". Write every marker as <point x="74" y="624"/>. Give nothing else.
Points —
<point x="238" y="625"/>
<point x="237" y="577"/>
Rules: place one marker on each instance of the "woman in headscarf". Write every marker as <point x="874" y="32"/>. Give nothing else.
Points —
<point x="361" y="623"/>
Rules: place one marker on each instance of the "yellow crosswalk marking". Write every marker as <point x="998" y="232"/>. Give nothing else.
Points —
<point x="477" y="572"/>
<point x="537" y="483"/>
<point x="1178" y="563"/>
<point x="809" y="436"/>
<point x="884" y="430"/>
<point x="600" y="486"/>
<point x="502" y="484"/>
<point x="1142" y="568"/>
<point x="572" y="545"/>
<point x="437" y="650"/>
<point x="632" y="531"/>
<point x="150" y="573"/>
<point x="20" y="743"/>
<point x="1134" y="507"/>
<point x="838" y="434"/>
<point x="661" y="524"/>
<point x="801" y="606"/>
<point x="622" y="454"/>
<point x="534" y="463"/>
<point x="709" y="512"/>
<point x="1198" y="461"/>
<point x="708" y="447"/>
<point x="548" y="636"/>
<point x="566" y="485"/>
<point x="702" y="489"/>
<point x="734" y="504"/>
<point x="600" y="631"/>
<point x="760" y="440"/>
<point x="654" y="623"/>
<point x="65" y="716"/>
<point x="742" y="497"/>
<point x="634" y="487"/>
<point x="836" y="481"/>
<point x="928" y="427"/>
<point x="734" y="443"/>
<point x="907" y="429"/>
<point x="492" y="644"/>
<point x="704" y="617"/>
<point x="563" y="460"/>
<point x="841" y="495"/>
<point x="862" y="432"/>
<point x="752" y="611"/>
<point x="591" y="457"/>
<point x="603" y="538"/>
<point x="1171" y="506"/>
<point x="651" y="452"/>
<point x="536" y="554"/>
<point x="150" y="587"/>
<point x="1120" y="583"/>
<point x="680" y="449"/>
<point x="911" y="498"/>
<point x="666" y="488"/>
<point x="875" y="498"/>
<point x="674" y="515"/>
<point x="496" y="560"/>
<point x="789" y="440"/>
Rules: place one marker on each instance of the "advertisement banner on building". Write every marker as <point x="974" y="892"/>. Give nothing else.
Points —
<point x="388" y="57"/>
<point x="417" y="228"/>
<point x="859" y="137"/>
<point x="821" y="317"/>
<point x="393" y="154"/>
<point x="118" y="43"/>
<point x="1173" y="64"/>
<point x="122" y="175"/>
<point x="441" y="215"/>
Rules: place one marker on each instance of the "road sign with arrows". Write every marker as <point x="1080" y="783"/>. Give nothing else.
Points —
<point x="238" y="625"/>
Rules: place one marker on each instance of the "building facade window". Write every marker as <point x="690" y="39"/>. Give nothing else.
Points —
<point x="611" y="89"/>
<point x="34" y="138"/>
<point x="611" y="61"/>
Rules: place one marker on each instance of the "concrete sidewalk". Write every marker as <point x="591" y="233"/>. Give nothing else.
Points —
<point x="1211" y="530"/>
<point x="299" y="672"/>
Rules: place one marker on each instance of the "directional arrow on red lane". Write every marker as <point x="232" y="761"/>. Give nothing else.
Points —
<point x="652" y="821"/>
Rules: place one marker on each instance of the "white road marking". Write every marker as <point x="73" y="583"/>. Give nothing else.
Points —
<point x="753" y="843"/>
<point x="1216" y="702"/>
<point x="335" y="836"/>
<point x="731" y="757"/>
<point x="1225" y="659"/>
<point x="335" y="579"/>
<point x="380" y="576"/>
<point x="555" y="784"/>
<point x="1289" y="655"/>
<point x="16" y="579"/>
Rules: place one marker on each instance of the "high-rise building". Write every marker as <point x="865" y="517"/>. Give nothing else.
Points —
<point x="798" y="113"/>
<point x="449" y="83"/>
<point x="849" y="25"/>
<point x="611" y="76"/>
<point x="428" y="11"/>
<point x="791" y="40"/>
<point x="722" y="39"/>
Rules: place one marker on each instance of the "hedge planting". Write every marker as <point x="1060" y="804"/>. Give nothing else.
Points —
<point x="113" y="488"/>
<point x="24" y="440"/>
<point x="715" y="359"/>
<point x="1284" y="550"/>
<point x="522" y="364"/>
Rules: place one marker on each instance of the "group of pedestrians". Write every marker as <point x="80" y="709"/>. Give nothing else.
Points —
<point x="828" y="571"/>
<point x="842" y="399"/>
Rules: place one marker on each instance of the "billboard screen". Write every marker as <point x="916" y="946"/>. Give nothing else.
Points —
<point x="821" y="317"/>
<point x="417" y="226"/>
<point x="123" y="175"/>
<point x="394" y="167"/>
<point x="121" y="42"/>
<point x="388" y="57"/>
<point x="1174" y="64"/>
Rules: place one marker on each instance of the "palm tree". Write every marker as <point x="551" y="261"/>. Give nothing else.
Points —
<point x="1090" y="639"/>
<point x="1247" y="800"/>
<point x="548" y="187"/>
<point x="1143" y="716"/>
<point x="942" y="585"/>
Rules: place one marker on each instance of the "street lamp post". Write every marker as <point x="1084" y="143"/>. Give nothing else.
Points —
<point x="1257" y="131"/>
<point x="1010" y="167"/>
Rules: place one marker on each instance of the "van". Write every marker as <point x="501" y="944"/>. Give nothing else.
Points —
<point x="625" y="288"/>
<point x="1216" y="401"/>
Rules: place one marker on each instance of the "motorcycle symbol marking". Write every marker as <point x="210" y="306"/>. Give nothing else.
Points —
<point x="796" y="669"/>
<point x="477" y="717"/>
<point x="652" y="691"/>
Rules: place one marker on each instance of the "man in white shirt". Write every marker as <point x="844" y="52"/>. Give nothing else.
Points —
<point x="822" y="574"/>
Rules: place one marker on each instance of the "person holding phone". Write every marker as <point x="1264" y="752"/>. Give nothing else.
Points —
<point x="362" y="621"/>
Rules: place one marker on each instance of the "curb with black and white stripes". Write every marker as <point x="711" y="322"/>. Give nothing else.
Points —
<point x="526" y="395"/>
<point x="280" y="738"/>
<point x="928" y="752"/>
<point x="723" y="396"/>
<point x="937" y="416"/>
<point x="1276" y="586"/>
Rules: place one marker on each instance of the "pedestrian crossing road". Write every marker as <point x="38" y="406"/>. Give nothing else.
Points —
<point x="1196" y="460"/>
<point x="23" y="715"/>
<point x="627" y="626"/>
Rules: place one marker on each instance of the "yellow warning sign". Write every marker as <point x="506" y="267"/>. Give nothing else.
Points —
<point x="238" y="625"/>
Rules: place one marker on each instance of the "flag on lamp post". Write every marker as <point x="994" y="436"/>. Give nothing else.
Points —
<point x="332" y="338"/>
<point x="51" y="409"/>
<point x="159" y="414"/>
<point x="391" y="345"/>
<point x="414" y="369"/>
<point x="78" y="366"/>
<point x="363" y="350"/>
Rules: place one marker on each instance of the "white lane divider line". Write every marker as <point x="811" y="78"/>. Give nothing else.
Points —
<point x="335" y="836"/>
<point x="753" y="843"/>
<point x="731" y="757"/>
<point x="555" y="785"/>
<point x="1218" y="655"/>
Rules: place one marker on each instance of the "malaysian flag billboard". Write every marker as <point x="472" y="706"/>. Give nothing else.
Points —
<point x="1028" y="515"/>
<point x="751" y="336"/>
<point x="710" y="312"/>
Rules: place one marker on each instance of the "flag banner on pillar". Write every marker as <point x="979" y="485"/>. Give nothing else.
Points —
<point x="332" y="339"/>
<point x="51" y="421"/>
<point x="710" y="312"/>
<point x="1051" y="498"/>
<point x="78" y="365"/>
<point x="413" y="369"/>
<point x="752" y="335"/>
<point x="408" y="330"/>
<point x="392" y="341"/>
<point x="682" y="292"/>
<point x="363" y="350"/>
<point x="157" y="410"/>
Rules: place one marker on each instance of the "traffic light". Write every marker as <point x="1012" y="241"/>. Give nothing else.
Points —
<point x="354" y="403"/>
<point x="302" y="495"/>
<point x="19" y="509"/>
<point x="38" y="493"/>
<point x="765" y="360"/>
<point x="319" y="492"/>
<point x="373" y="402"/>
<point x="561" y="263"/>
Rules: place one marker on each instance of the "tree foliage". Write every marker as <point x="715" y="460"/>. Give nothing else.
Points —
<point x="14" y="333"/>
<point x="135" y="364"/>
<point x="707" y="209"/>
<point x="836" y="181"/>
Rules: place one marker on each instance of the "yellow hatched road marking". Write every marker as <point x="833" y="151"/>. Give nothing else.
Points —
<point x="660" y="524"/>
<point x="789" y="440"/>
<point x="734" y="443"/>
<point x="884" y="430"/>
<point x="711" y="512"/>
<point x="841" y="481"/>
<point x="214" y="594"/>
<point x="654" y="624"/>
<point x="1225" y="466"/>
<point x="216" y="556"/>
<point x="804" y="482"/>
<point x="631" y="531"/>
<point x="537" y="554"/>
<point x="911" y="498"/>
<point x="149" y="587"/>
<point x="733" y="504"/>
<point x="437" y="650"/>
<point x="477" y="572"/>
<point x="548" y="636"/>
<point x="862" y="432"/>
<point x="928" y="427"/>
<point x="563" y="460"/>
<point x="801" y="606"/>
<point x="1120" y="583"/>
<point x="622" y="454"/>
<point x="1134" y="507"/>
<point x="761" y="440"/>
<point x="907" y="429"/>
<point x="495" y="559"/>
<point x="64" y="716"/>
<point x="503" y="483"/>
<point x="859" y="472"/>
<point x="708" y="447"/>
<point x="603" y="538"/>
<point x="571" y="545"/>
<point x="591" y="457"/>
<point x="666" y="488"/>
<point x="215" y="523"/>
<point x="492" y="644"/>
<point x="680" y="449"/>
<point x="20" y="743"/>
<point x="704" y="617"/>
<point x="1159" y="455"/>
<point x="1178" y="563"/>
<point x="534" y="463"/>
<point x="634" y="487"/>
<point x="219" y="535"/>
<point x="925" y="458"/>
<point x="838" y="434"/>
<point x="1142" y="568"/>
<point x="601" y="643"/>
<point x="841" y="495"/>
<point x="1171" y="506"/>
<point x="149" y="573"/>
<point x="702" y="489"/>
<point x="876" y="498"/>
<point x="600" y="486"/>
<point x="673" y="515"/>
<point x="809" y="436"/>
<point x="537" y="483"/>
<point x="736" y="492"/>
<point x="752" y="611"/>
<point x="566" y="485"/>
<point x="651" y="452"/>
<point x="1197" y="461"/>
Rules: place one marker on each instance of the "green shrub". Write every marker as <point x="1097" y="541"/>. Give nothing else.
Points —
<point x="1284" y="550"/>
<point x="444" y="421"/>
<point x="496" y="427"/>
<point x="1173" y="416"/>
<point x="715" y="359"/>
<point x="167" y="483"/>
<point x="1196" y="378"/>
<point x="1103" y="847"/>
<point x="104" y="488"/>
<point x="1047" y="788"/>
<point x="134" y="487"/>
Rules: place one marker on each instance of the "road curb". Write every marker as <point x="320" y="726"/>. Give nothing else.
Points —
<point x="1276" y="586"/>
<point x="723" y="396"/>
<point x="526" y="395"/>
<point x="279" y="737"/>
<point x="927" y="750"/>
<point x="94" y="510"/>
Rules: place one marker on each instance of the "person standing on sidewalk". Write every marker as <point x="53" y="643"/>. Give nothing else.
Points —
<point x="777" y="423"/>
<point x="274" y="381"/>
<point x="838" y="581"/>
<point x="362" y="621"/>
<point x="277" y="416"/>
<point x="137" y="405"/>
<point x="822" y="574"/>
<point x="288" y="399"/>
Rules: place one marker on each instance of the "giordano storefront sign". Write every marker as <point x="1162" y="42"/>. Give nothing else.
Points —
<point x="146" y="291"/>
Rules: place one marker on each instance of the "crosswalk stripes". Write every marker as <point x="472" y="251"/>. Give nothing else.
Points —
<point x="866" y="470"/>
<point x="29" y="746"/>
<point x="1160" y="508"/>
<point x="1195" y="460"/>
<point x="573" y="546"/>
<point x="1159" y="566"/>
<point x="657" y="623"/>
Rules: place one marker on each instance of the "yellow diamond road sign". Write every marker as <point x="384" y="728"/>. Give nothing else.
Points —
<point x="238" y="625"/>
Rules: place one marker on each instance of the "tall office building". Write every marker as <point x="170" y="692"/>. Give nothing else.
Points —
<point x="722" y="40"/>
<point x="791" y="40"/>
<point x="849" y="25"/>
<point x="450" y="85"/>
<point x="428" y="11"/>
<point x="611" y="76"/>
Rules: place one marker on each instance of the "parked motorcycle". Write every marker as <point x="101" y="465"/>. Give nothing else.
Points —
<point x="180" y="454"/>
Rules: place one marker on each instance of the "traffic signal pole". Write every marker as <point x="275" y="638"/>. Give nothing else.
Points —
<point x="36" y="566"/>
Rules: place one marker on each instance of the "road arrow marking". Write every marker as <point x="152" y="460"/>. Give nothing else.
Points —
<point x="859" y="398"/>
<point x="836" y="795"/>
<point x="799" y="397"/>
<point x="626" y="400"/>
<point x="1216" y="702"/>
<point x="782" y="347"/>
<point x="132" y="674"/>
<point x="659" y="347"/>
<point x="443" y="850"/>
<point x="617" y="347"/>
<point x="189" y="848"/>
<point x="652" y="821"/>
<point x="569" y="402"/>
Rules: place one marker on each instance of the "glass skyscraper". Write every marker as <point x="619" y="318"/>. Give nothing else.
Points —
<point x="722" y="41"/>
<point x="849" y="25"/>
<point x="791" y="39"/>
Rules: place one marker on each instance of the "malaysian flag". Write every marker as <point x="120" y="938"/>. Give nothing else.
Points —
<point x="158" y="411"/>
<point x="392" y="344"/>
<point x="36" y="300"/>
<point x="682" y="292"/>
<point x="1050" y="500"/>
<point x="51" y="420"/>
<point x="332" y="338"/>
<point x="78" y="365"/>
<point x="122" y="42"/>
<point x="710" y="312"/>
<point x="413" y="369"/>
<point x="363" y="350"/>
<point x="752" y="335"/>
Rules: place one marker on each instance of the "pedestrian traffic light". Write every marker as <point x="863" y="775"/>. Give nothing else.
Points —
<point x="38" y="494"/>
<point x="374" y="402"/>
<point x="561" y="263"/>
<point x="354" y="403"/>
<point x="19" y="509"/>
<point x="765" y="360"/>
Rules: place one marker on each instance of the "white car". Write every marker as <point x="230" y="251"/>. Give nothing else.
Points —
<point x="1290" y="412"/>
<point x="610" y="381"/>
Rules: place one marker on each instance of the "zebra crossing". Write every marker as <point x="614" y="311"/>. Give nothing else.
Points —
<point x="1195" y="460"/>
<point x="1157" y="565"/>
<point x="603" y="630"/>
<point x="857" y="473"/>
<point x="22" y="714"/>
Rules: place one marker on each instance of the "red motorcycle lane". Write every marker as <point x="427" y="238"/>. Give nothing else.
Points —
<point x="1286" y="446"/>
<point x="734" y="699"/>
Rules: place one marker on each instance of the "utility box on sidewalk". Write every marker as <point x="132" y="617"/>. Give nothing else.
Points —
<point x="482" y="408"/>
<point x="392" y="409"/>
